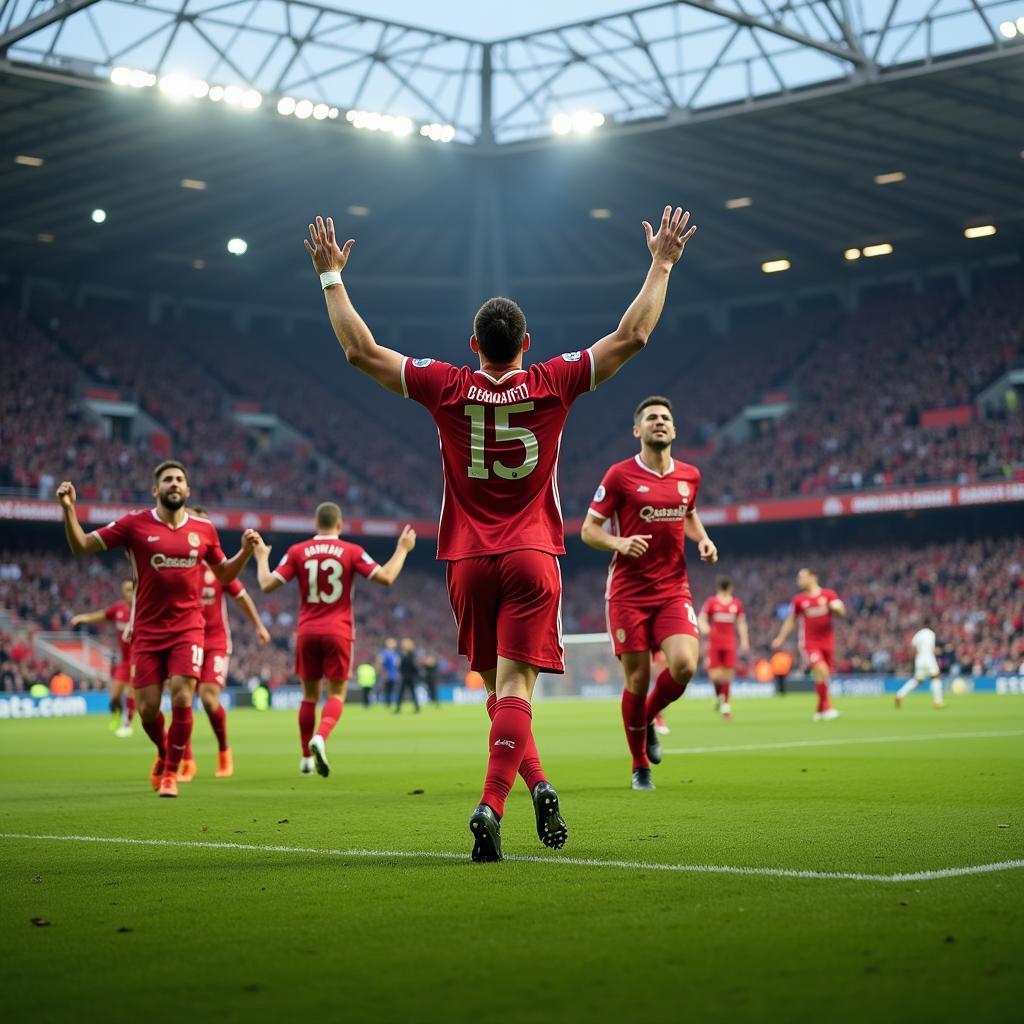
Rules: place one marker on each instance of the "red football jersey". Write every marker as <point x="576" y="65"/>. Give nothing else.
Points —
<point x="638" y="500"/>
<point x="120" y="613"/>
<point x="167" y="562"/>
<point x="499" y="450"/>
<point x="325" y="567"/>
<point x="722" y="615"/>
<point x="216" y="626"/>
<point x="814" y="617"/>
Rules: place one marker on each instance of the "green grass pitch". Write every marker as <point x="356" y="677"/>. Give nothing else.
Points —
<point x="186" y="932"/>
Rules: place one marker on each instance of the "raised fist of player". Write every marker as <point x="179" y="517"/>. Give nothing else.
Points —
<point x="323" y="249"/>
<point x="635" y="546"/>
<point x="670" y="241"/>
<point x="407" y="538"/>
<point x="66" y="494"/>
<point x="708" y="551"/>
<point x="263" y="635"/>
<point x="260" y="548"/>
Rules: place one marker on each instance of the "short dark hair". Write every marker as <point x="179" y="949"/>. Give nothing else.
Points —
<point x="651" y="400"/>
<point x="328" y="515"/>
<point x="500" y="329"/>
<point x="724" y="583"/>
<point x="166" y="465"/>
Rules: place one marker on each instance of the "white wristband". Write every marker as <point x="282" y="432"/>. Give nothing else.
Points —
<point x="329" y="277"/>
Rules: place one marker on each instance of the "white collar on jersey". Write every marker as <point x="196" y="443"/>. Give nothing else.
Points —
<point x="155" y="515"/>
<point x="661" y="476"/>
<point x="503" y="377"/>
<point x="326" y="536"/>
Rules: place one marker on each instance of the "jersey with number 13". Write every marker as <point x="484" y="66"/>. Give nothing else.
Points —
<point x="325" y="568"/>
<point x="500" y="440"/>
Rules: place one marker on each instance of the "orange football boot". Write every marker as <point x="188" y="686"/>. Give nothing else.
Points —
<point x="225" y="765"/>
<point x="187" y="770"/>
<point x="168" y="785"/>
<point x="156" y="772"/>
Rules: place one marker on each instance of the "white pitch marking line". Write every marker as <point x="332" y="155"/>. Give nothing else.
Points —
<point x="583" y="862"/>
<point x="839" y="742"/>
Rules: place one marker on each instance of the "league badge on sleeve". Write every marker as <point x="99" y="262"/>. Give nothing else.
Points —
<point x="599" y="493"/>
<point x="420" y="363"/>
<point x="572" y="357"/>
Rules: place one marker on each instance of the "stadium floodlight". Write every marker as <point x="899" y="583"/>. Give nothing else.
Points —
<point x="775" y="266"/>
<point x="303" y="109"/>
<point x="286" y="106"/>
<point x="892" y="178"/>
<point x="600" y="213"/>
<point x="29" y="161"/>
<point x="320" y="112"/>
<point x="217" y="93"/>
<point x="402" y="127"/>
<point x="332" y="113"/>
<point x="134" y="78"/>
<point x="238" y="246"/>
<point x="561" y="124"/>
<point x="881" y="249"/>
<point x="358" y="211"/>
<point x="739" y="203"/>
<point x="1020" y="24"/>
<point x="980" y="231"/>
<point x="179" y="87"/>
<point x="196" y="184"/>
<point x="580" y="122"/>
<point x="851" y="254"/>
<point x="1008" y="29"/>
<point x="438" y="132"/>
<point x="98" y="216"/>
<point x="251" y="99"/>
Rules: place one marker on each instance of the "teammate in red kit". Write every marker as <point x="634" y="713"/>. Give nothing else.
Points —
<point x="501" y="531"/>
<point x="325" y="567"/>
<point x="721" y="619"/>
<point x="216" y="661"/>
<point x="120" y="613"/>
<point x="167" y="548"/>
<point x="814" y="608"/>
<point x="650" y="501"/>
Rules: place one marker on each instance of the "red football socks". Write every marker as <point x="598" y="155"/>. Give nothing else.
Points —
<point x="156" y="730"/>
<point x="129" y="711"/>
<point x="510" y="731"/>
<point x="530" y="767"/>
<point x="330" y="715"/>
<point x="307" y="724"/>
<point x="726" y="692"/>
<point x="178" y="737"/>
<point x="634" y="719"/>
<point x="666" y="690"/>
<point x="219" y="724"/>
<point x="821" y="689"/>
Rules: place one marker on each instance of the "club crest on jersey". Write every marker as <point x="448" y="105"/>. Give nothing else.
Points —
<point x="193" y="540"/>
<point x="684" y="489"/>
<point x="420" y="363"/>
<point x="572" y="357"/>
<point x="620" y="635"/>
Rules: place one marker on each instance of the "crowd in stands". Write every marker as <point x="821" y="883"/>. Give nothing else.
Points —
<point x="971" y="592"/>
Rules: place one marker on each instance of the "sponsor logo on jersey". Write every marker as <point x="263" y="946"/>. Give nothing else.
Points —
<point x="420" y="363"/>
<point x="209" y="577"/>
<point x="193" y="540"/>
<point x="643" y="489"/>
<point x="511" y="744"/>
<point x="151" y="540"/>
<point x="650" y="514"/>
<point x="600" y="493"/>
<point x="161" y="561"/>
<point x="572" y="357"/>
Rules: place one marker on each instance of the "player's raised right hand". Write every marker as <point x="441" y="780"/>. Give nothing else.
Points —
<point x="66" y="494"/>
<point x="670" y="241"/>
<point x="407" y="538"/>
<point x="323" y="249"/>
<point x="260" y="548"/>
<point x="635" y="546"/>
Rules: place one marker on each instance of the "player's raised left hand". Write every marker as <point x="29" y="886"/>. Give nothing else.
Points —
<point x="322" y="247"/>
<point x="407" y="538"/>
<point x="708" y="551"/>
<point x="66" y="494"/>
<point x="668" y="243"/>
<point x="261" y="549"/>
<point x="250" y="540"/>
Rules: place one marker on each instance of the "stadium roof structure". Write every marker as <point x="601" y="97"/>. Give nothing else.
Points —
<point x="646" y="66"/>
<point x="915" y="137"/>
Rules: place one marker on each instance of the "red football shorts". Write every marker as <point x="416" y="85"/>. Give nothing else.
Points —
<point x="644" y="627"/>
<point x="323" y="656"/>
<point x="819" y="656"/>
<point x="508" y="605"/>
<point x="122" y="672"/>
<point x="215" y="667"/>
<point x="153" y="668"/>
<point x="721" y="657"/>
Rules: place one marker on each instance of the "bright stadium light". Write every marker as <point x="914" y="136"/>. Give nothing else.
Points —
<point x="134" y="78"/>
<point x="580" y="122"/>
<point x="358" y="211"/>
<point x="333" y="113"/>
<point x="29" y="161"/>
<point x="881" y="249"/>
<point x="251" y="99"/>
<point x="438" y="132"/>
<point x="601" y="213"/>
<point x="775" y="266"/>
<point x="1008" y="29"/>
<point x="196" y="184"/>
<point x="561" y="124"/>
<point x="739" y="203"/>
<point x="98" y="216"/>
<point x="286" y="106"/>
<point x="303" y="109"/>
<point x="851" y="254"/>
<point x="217" y="93"/>
<point x="238" y="246"/>
<point x="891" y="178"/>
<point x="980" y="231"/>
<point x="320" y="111"/>
<point x="180" y="87"/>
<point x="1020" y="24"/>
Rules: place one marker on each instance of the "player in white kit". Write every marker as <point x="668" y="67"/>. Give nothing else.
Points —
<point x="925" y="667"/>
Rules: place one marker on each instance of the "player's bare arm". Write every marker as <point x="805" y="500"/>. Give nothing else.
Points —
<point x="80" y="542"/>
<point x="384" y="365"/>
<point x="88" y="619"/>
<point x="267" y="580"/>
<point x="838" y="608"/>
<point x="392" y="568"/>
<point x="705" y="545"/>
<point x="245" y="602"/>
<point x="228" y="570"/>
<point x="666" y="247"/>
<point x="744" y="633"/>
<point x="783" y="635"/>
<point x="594" y="534"/>
<point x="704" y="623"/>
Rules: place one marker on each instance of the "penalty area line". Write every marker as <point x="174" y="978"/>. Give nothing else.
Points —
<point x="553" y="859"/>
<point x="849" y="741"/>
